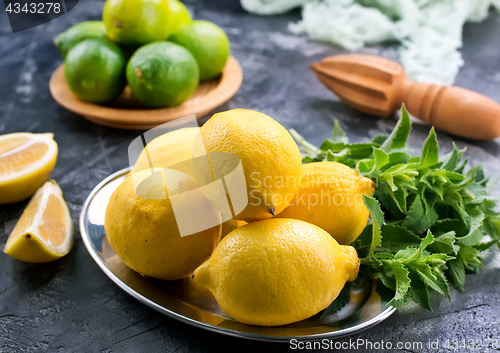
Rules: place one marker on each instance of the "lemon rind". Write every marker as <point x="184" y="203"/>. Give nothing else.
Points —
<point x="49" y="188"/>
<point x="47" y="138"/>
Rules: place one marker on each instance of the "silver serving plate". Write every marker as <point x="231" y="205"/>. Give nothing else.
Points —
<point x="186" y="301"/>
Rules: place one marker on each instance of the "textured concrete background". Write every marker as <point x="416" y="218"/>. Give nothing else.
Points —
<point x="70" y="305"/>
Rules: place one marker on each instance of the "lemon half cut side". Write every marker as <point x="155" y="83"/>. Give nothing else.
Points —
<point x="26" y="162"/>
<point x="44" y="232"/>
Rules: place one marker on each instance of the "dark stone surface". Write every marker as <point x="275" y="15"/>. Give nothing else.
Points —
<point x="70" y="305"/>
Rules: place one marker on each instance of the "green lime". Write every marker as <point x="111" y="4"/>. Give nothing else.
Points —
<point x="162" y="74"/>
<point x="137" y="22"/>
<point x="207" y="42"/>
<point x="75" y="34"/>
<point x="180" y="13"/>
<point x="94" y="70"/>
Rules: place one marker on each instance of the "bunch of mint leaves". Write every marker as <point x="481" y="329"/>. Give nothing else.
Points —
<point x="430" y="217"/>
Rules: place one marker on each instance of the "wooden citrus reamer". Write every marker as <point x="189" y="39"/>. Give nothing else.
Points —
<point x="379" y="86"/>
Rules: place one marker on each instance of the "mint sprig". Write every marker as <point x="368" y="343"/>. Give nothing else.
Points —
<point x="430" y="215"/>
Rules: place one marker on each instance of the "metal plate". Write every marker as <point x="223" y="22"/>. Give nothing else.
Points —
<point x="194" y="305"/>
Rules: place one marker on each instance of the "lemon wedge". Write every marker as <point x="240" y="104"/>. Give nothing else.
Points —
<point x="26" y="162"/>
<point x="45" y="230"/>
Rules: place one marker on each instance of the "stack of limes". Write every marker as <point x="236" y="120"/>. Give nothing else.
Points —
<point x="153" y="45"/>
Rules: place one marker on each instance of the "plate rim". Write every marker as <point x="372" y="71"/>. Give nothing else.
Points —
<point x="221" y="330"/>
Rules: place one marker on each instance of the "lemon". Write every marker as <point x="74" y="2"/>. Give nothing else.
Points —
<point x="142" y="228"/>
<point x="208" y="43"/>
<point x="45" y="230"/>
<point x="330" y="196"/>
<point x="180" y="14"/>
<point x="137" y="22"/>
<point x="26" y="162"/>
<point x="230" y="225"/>
<point x="269" y="157"/>
<point x="277" y="271"/>
<point x="168" y="151"/>
<point x="162" y="74"/>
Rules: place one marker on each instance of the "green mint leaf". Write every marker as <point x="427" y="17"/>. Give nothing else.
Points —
<point x="397" y="238"/>
<point x="380" y="159"/>
<point x="418" y="220"/>
<point x="429" y="199"/>
<point x="398" y="180"/>
<point x="430" y="151"/>
<point x="339" y="302"/>
<point x="450" y="225"/>
<point x="406" y="254"/>
<point x="461" y="167"/>
<point x="397" y="138"/>
<point x="413" y="254"/>
<point x="400" y="196"/>
<point x="435" y="260"/>
<point x="442" y="283"/>
<point x="363" y="241"/>
<point x="428" y="240"/>
<point x="438" y="181"/>
<point x="486" y="245"/>
<point x="479" y="176"/>
<point x="388" y="200"/>
<point x="402" y="284"/>
<point x="451" y="160"/>
<point x="470" y="258"/>
<point x="404" y="169"/>
<point x="338" y="134"/>
<point x="395" y="158"/>
<point x="364" y="167"/>
<point x="491" y="225"/>
<point x="445" y="243"/>
<point x="362" y="150"/>
<point x="379" y="139"/>
<point x="432" y="279"/>
<point x="337" y="157"/>
<point x="358" y="150"/>
<point x="456" y="271"/>
<point x="377" y="218"/>
<point x="382" y="269"/>
<point x="475" y="235"/>
<point x="418" y="291"/>
<point x="471" y="239"/>
<point x="333" y="146"/>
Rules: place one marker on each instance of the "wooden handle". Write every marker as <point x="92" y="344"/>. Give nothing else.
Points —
<point x="379" y="86"/>
<point x="453" y="109"/>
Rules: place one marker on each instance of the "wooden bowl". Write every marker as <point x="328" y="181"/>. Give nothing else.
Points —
<point x="126" y="112"/>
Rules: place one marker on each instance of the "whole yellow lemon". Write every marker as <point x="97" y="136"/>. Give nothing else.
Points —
<point x="330" y="196"/>
<point x="269" y="156"/>
<point x="230" y="225"/>
<point x="169" y="150"/>
<point x="277" y="271"/>
<point x="143" y="230"/>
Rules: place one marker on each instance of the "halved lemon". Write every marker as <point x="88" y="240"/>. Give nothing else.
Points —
<point x="26" y="162"/>
<point x="45" y="230"/>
